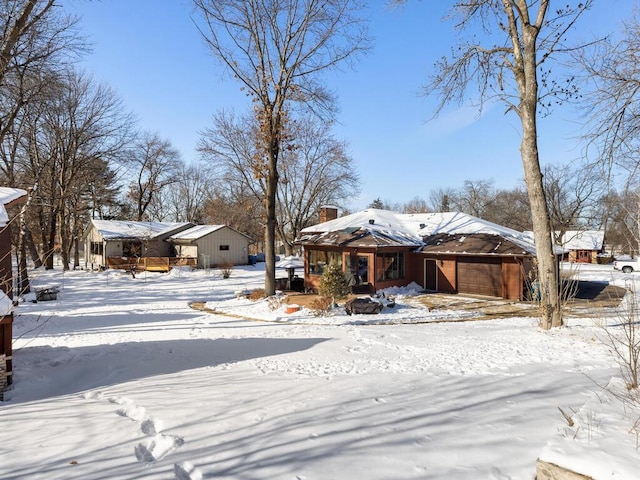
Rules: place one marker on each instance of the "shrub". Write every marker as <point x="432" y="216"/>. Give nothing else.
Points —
<point x="257" y="294"/>
<point x="333" y="283"/>
<point x="225" y="269"/>
<point x="321" y="306"/>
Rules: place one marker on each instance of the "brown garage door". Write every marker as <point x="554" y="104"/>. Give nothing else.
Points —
<point x="480" y="276"/>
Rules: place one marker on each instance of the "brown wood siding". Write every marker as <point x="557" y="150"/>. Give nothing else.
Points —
<point x="512" y="279"/>
<point x="447" y="275"/>
<point x="6" y="282"/>
<point x="480" y="276"/>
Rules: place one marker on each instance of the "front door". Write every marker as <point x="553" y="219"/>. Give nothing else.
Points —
<point x="358" y="269"/>
<point x="430" y="275"/>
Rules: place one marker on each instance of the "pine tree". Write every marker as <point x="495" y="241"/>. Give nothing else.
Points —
<point x="333" y="283"/>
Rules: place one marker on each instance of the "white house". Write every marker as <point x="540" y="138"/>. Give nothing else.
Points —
<point x="212" y="245"/>
<point x="121" y="238"/>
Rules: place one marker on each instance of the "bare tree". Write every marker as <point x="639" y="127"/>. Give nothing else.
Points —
<point x="573" y="194"/>
<point x="37" y="39"/>
<point x="613" y="111"/>
<point x="184" y="200"/>
<point x="511" y="208"/>
<point x="623" y="219"/>
<point x="80" y="125"/>
<point x="442" y="199"/>
<point x="519" y="38"/>
<point x="416" y="205"/>
<point x="613" y="120"/>
<point x="154" y="165"/>
<point x="476" y="197"/>
<point x="277" y="50"/>
<point x="314" y="169"/>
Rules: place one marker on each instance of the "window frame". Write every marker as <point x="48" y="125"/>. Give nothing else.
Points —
<point x="396" y="266"/>
<point x="316" y="264"/>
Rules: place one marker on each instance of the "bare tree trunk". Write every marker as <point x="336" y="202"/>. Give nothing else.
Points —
<point x="270" y="229"/>
<point x="548" y="274"/>
<point x="76" y="251"/>
<point x="23" y="275"/>
<point x="33" y="251"/>
<point x="548" y="277"/>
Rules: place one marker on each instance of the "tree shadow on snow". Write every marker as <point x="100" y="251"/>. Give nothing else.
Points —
<point x="44" y="372"/>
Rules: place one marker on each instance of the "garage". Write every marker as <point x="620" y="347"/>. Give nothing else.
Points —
<point x="480" y="276"/>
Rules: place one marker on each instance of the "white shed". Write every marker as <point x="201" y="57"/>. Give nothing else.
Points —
<point x="212" y="245"/>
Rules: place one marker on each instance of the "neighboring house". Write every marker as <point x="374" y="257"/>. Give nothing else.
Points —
<point x="445" y="252"/>
<point x="8" y="198"/>
<point x="212" y="245"/>
<point x="119" y="238"/>
<point x="583" y="246"/>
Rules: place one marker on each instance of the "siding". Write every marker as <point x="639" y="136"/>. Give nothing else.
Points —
<point x="238" y="253"/>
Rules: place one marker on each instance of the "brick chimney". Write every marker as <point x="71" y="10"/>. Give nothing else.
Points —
<point x="328" y="212"/>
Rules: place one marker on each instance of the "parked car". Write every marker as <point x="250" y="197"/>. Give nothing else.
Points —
<point x="627" y="266"/>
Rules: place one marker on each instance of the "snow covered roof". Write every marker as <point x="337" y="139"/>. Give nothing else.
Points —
<point x="8" y="195"/>
<point x="583" y="240"/>
<point x="198" y="231"/>
<point x="194" y="233"/>
<point x="123" y="229"/>
<point x="409" y="229"/>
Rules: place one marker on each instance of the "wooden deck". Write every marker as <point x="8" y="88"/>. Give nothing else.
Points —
<point x="150" y="264"/>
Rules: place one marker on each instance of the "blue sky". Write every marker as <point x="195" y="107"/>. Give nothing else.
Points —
<point x="150" y="52"/>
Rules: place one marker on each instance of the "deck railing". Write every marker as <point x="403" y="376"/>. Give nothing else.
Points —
<point x="150" y="264"/>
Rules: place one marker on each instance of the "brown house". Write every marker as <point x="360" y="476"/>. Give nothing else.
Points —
<point x="8" y="198"/>
<point x="443" y="252"/>
<point x="583" y="246"/>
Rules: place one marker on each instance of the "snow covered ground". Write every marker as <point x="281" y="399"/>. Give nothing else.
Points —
<point x="120" y="379"/>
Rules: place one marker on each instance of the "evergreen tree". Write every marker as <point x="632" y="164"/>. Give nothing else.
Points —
<point x="333" y="283"/>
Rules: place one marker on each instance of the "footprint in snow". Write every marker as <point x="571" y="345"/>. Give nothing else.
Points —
<point x="150" y="427"/>
<point x="97" y="395"/>
<point x="158" y="447"/>
<point x="186" y="471"/>
<point x="129" y="409"/>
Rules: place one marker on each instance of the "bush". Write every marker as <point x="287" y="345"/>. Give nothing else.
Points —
<point x="321" y="306"/>
<point x="257" y="294"/>
<point x="333" y="283"/>
<point x="225" y="269"/>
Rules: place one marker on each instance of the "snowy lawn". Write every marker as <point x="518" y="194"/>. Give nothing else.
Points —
<point x="120" y="379"/>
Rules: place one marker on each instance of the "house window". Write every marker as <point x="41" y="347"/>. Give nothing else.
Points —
<point x="224" y="247"/>
<point x="319" y="259"/>
<point x="96" y="248"/>
<point x="390" y="266"/>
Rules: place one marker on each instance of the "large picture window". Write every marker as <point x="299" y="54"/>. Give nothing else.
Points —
<point x="390" y="266"/>
<point x="319" y="259"/>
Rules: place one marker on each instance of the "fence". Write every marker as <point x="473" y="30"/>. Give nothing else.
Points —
<point x="150" y="264"/>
